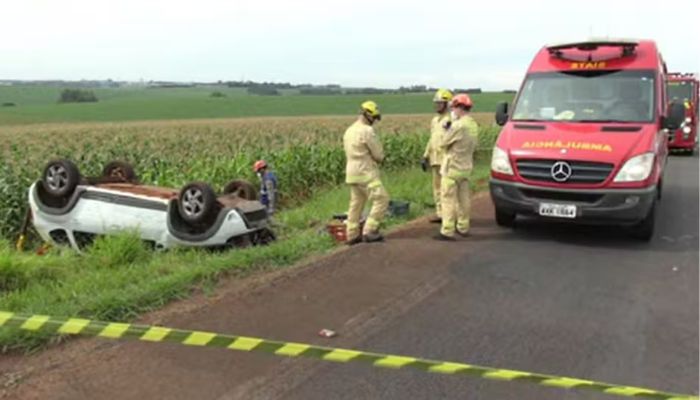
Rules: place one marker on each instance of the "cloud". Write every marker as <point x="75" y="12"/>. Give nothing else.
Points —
<point x="359" y="43"/>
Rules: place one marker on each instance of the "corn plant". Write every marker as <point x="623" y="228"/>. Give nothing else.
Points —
<point x="306" y="153"/>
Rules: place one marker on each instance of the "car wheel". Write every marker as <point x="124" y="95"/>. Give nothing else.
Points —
<point x="644" y="230"/>
<point x="243" y="189"/>
<point x="196" y="202"/>
<point x="120" y="170"/>
<point x="505" y="218"/>
<point x="60" y="178"/>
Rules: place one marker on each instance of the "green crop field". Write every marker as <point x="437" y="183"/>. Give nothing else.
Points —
<point x="39" y="104"/>
<point x="306" y="152"/>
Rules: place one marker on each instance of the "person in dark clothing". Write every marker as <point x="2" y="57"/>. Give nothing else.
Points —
<point x="268" y="185"/>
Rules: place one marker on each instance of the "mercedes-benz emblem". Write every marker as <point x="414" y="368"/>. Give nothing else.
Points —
<point x="561" y="171"/>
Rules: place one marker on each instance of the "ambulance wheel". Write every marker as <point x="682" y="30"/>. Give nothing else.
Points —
<point x="504" y="218"/>
<point x="196" y="203"/>
<point x="243" y="189"/>
<point x="644" y="230"/>
<point x="60" y="178"/>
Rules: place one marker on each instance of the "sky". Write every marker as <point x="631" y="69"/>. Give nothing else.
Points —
<point x="457" y="44"/>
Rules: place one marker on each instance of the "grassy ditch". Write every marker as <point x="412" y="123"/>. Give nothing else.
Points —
<point x="118" y="279"/>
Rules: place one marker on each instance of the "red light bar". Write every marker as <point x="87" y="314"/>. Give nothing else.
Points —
<point x="628" y="46"/>
<point x="688" y="75"/>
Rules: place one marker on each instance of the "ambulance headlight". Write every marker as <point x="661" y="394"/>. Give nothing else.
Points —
<point x="636" y="169"/>
<point x="500" y="162"/>
<point x="686" y="132"/>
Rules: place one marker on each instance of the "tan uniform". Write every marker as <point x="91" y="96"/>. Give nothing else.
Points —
<point x="434" y="153"/>
<point x="459" y="144"/>
<point x="363" y="152"/>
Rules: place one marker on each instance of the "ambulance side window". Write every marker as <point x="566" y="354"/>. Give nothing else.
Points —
<point x="663" y="97"/>
<point x="528" y="102"/>
<point x="648" y="90"/>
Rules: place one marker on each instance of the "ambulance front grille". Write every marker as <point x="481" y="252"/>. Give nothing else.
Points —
<point x="582" y="172"/>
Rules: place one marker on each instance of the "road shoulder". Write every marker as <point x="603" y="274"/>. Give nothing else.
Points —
<point x="354" y="291"/>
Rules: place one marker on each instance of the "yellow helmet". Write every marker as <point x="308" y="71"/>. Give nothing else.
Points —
<point x="442" y="95"/>
<point x="371" y="108"/>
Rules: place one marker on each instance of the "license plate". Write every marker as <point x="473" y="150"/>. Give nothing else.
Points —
<point x="557" y="210"/>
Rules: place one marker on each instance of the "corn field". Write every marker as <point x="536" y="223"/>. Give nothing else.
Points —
<point x="306" y="153"/>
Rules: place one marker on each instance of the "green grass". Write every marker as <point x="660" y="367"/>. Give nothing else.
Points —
<point x="118" y="279"/>
<point x="38" y="104"/>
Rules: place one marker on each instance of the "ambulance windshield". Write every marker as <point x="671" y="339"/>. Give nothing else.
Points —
<point x="680" y="90"/>
<point x="587" y="96"/>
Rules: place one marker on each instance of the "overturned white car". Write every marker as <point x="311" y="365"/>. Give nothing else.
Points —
<point x="68" y="209"/>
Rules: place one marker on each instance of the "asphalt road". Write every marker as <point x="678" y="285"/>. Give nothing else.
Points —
<point x="585" y="302"/>
<point x="576" y="301"/>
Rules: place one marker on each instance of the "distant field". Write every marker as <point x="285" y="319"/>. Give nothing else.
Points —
<point x="39" y="104"/>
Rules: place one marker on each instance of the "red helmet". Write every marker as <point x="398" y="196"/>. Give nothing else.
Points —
<point x="462" y="100"/>
<point x="260" y="164"/>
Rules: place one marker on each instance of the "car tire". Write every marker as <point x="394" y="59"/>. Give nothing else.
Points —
<point x="644" y="229"/>
<point x="504" y="218"/>
<point x="242" y="189"/>
<point x="196" y="203"/>
<point x="120" y="170"/>
<point x="60" y="178"/>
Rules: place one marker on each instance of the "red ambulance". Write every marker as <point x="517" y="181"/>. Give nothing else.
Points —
<point x="586" y="138"/>
<point x="683" y="88"/>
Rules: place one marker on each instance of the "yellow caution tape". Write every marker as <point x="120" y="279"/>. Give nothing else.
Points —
<point x="114" y="330"/>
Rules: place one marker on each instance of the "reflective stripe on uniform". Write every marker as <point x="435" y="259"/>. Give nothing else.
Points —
<point x="357" y="179"/>
<point x="374" y="184"/>
<point x="371" y="224"/>
<point x="463" y="225"/>
<point x="352" y="225"/>
<point x="448" y="226"/>
<point x="459" y="174"/>
<point x="448" y="181"/>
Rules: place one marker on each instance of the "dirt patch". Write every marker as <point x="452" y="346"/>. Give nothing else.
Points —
<point x="142" y="190"/>
<point x="229" y="200"/>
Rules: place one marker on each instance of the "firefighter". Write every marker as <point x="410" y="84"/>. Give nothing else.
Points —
<point x="458" y="144"/>
<point x="364" y="153"/>
<point x="432" y="158"/>
<point x="268" y="186"/>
